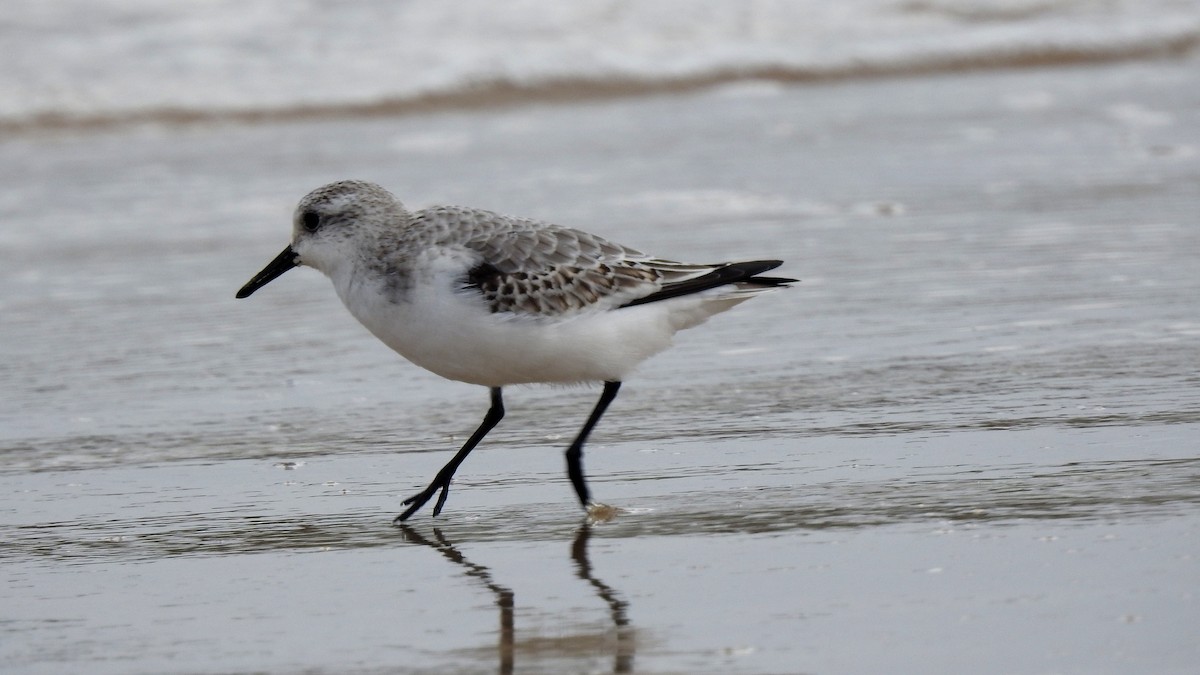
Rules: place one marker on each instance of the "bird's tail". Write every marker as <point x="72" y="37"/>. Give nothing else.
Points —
<point x="740" y="275"/>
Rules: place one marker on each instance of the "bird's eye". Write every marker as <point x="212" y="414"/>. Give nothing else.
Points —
<point x="310" y="221"/>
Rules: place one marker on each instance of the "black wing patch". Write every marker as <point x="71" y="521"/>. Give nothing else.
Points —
<point x="733" y="273"/>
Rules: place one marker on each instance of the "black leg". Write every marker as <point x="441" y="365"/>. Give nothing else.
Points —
<point x="442" y="480"/>
<point x="575" y="452"/>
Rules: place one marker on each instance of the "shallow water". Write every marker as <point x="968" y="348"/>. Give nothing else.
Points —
<point x="967" y="440"/>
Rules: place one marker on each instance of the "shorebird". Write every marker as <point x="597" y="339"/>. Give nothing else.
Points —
<point x="496" y="300"/>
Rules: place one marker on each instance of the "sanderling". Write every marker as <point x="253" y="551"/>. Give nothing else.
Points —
<point x="494" y="300"/>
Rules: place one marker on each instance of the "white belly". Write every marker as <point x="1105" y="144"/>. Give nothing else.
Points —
<point x="455" y="335"/>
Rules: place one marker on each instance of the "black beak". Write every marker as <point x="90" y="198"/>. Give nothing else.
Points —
<point x="282" y="263"/>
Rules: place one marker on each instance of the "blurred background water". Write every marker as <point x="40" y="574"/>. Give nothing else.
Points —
<point x="71" y="62"/>
<point x="968" y="438"/>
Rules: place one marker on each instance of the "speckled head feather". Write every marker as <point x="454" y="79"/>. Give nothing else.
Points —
<point x="349" y="221"/>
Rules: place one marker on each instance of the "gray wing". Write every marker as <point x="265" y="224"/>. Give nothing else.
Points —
<point x="530" y="267"/>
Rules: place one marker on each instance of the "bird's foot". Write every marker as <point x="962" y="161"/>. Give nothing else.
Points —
<point x="415" y="502"/>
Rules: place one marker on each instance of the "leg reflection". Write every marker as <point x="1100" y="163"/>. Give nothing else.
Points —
<point x="618" y="608"/>
<point x="504" y="595"/>
<point x="539" y="647"/>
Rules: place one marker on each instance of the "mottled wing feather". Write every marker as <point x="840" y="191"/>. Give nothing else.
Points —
<point x="555" y="271"/>
<point x="538" y="249"/>
<point x="561" y="289"/>
<point x="535" y="268"/>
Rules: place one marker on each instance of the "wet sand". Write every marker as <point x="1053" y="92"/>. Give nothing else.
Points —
<point x="966" y="441"/>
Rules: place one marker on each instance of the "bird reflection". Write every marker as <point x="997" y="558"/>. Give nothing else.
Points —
<point x="618" y="608"/>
